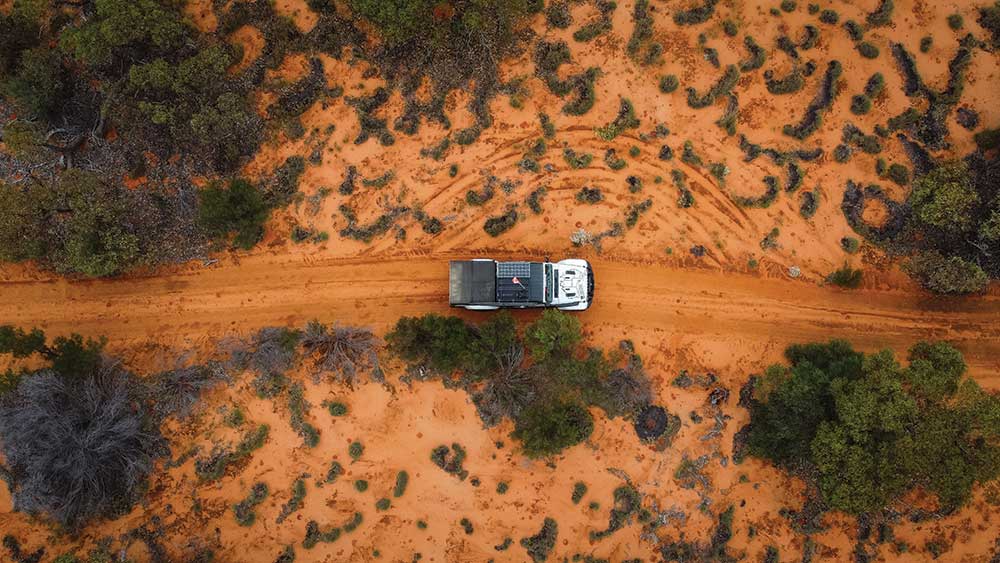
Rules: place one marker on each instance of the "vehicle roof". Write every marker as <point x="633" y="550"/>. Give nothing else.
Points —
<point x="489" y="282"/>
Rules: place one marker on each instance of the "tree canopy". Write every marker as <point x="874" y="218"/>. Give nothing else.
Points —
<point x="870" y="429"/>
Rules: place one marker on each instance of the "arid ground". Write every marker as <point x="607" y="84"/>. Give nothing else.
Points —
<point x="728" y="309"/>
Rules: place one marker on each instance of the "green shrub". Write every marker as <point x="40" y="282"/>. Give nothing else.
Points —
<point x="668" y="83"/>
<point x="335" y="470"/>
<point x="497" y="225"/>
<point x="579" y="489"/>
<point x="850" y="245"/>
<point x="577" y="160"/>
<point x="243" y="511"/>
<point x="402" y="479"/>
<point x="947" y="275"/>
<point x="989" y="19"/>
<point x="758" y="55"/>
<point x="336" y="408"/>
<point x="450" y="461"/>
<point x="540" y="545"/>
<point x="722" y="87"/>
<point x="925" y="43"/>
<point x="355" y="450"/>
<point x="955" y="21"/>
<point x="788" y="5"/>
<point x="557" y="14"/>
<point x="882" y="15"/>
<point x="535" y="199"/>
<point x="590" y="31"/>
<point x="729" y="28"/>
<point x="294" y="502"/>
<point x="846" y="277"/>
<point x="787" y="85"/>
<point x="361" y="485"/>
<point x="502" y="487"/>
<point x="987" y="139"/>
<point x="854" y="30"/>
<point x="847" y="415"/>
<point x="860" y="104"/>
<point x="696" y="15"/>
<point x="589" y="195"/>
<point x="842" y="153"/>
<point x="624" y="120"/>
<point x="613" y="161"/>
<point x="688" y="156"/>
<point x="868" y="50"/>
<point x="829" y="17"/>
<point x="899" y="174"/>
<point x="809" y="204"/>
<point x="547" y="429"/>
<point x="626" y="503"/>
<point x="382" y="504"/>
<point x="466" y="525"/>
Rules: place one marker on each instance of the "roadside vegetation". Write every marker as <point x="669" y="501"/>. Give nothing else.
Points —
<point x="543" y="378"/>
<point x="863" y="430"/>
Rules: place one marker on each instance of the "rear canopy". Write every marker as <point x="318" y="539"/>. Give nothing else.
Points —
<point x="472" y="282"/>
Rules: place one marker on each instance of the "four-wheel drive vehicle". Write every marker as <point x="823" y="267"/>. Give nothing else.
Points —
<point x="486" y="285"/>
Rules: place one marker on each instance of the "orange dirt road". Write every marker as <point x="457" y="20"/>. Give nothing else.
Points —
<point x="758" y="316"/>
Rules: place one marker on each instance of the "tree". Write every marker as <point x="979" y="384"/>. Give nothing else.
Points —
<point x="437" y="343"/>
<point x="553" y="332"/>
<point x="944" y="198"/>
<point x="934" y="371"/>
<point x="19" y="343"/>
<point x="236" y="211"/>
<point x="877" y="429"/>
<point x="37" y="85"/>
<point x="126" y="30"/>
<point x="22" y="222"/>
<point x="946" y="274"/>
<point x="98" y="241"/>
<point x="547" y="428"/>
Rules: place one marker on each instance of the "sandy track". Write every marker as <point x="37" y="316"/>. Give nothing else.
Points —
<point x="669" y="305"/>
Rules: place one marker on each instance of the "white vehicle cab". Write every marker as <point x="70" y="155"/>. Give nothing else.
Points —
<point x="488" y="285"/>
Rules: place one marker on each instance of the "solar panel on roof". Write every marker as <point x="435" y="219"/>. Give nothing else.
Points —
<point x="513" y="270"/>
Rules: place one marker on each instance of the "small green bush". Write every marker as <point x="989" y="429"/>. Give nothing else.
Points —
<point x="335" y="470"/>
<point x="466" y="526"/>
<point x="955" y="21"/>
<point x="355" y="450"/>
<point x="499" y="224"/>
<point x="237" y="210"/>
<point x="540" y="545"/>
<point x="579" y="489"/>
<point x="789" y="5"/>
<point x="382" y="504"/>
<point x="860" y="104"/>
<point x="502" y="487"/>
<point x="336" y="408"/>
<point x="729" y="28"/>
<point x="402" y="479"/>
<point x="899" y="174"/>
<point x="850" y="245"/>
<point x="846" y="277"/>
<point x="547" y="429"/>
<point x="882" y="15"/>
<point x="361" y="485"/>
<point x="926" y="43"/>
<point x="829" y="17"/>
<point x="868" y="50"/>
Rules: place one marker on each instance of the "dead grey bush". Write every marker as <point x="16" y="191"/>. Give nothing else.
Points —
<point x="271" y="350"/>
<point x="78" y="448"/>
<point x="176" y="392"/>
<point x="343" y="351"/>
